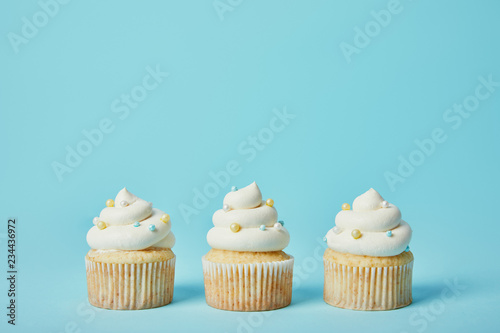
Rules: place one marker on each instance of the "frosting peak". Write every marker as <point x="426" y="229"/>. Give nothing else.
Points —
<point x="130" y="224"/>
<point x="246" y="223"/>
<point x="247" y="197"/>
<point x="381" y="231"/>
<point x="370" y="200"/>
<point x="125" y="195"/>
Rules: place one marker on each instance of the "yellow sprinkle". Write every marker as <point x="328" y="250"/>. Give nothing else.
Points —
<point x="235" y="227"/>
<point x="346" y="206"/>
<point x="356" y="234"/>
<point x="101" y="225"/>
<point x="165" y="218"/>
<point x="270" y="202"/>
<point x="110" y="203"/>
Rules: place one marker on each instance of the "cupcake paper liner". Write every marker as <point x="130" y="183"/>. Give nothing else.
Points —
<point x="248" y="287"/>
<point x="130" y="286"/>
<point x="367" y="288"/>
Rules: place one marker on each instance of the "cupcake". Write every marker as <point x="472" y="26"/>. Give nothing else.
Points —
<point x="130" y="265"/>
<point x="246" y="269"/>
<point x="368" y="263"/>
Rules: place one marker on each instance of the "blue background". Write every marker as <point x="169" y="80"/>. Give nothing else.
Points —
<point x="353" y="121"/>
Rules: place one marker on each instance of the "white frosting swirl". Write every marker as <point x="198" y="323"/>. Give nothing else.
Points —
<point x="121" y="233"/>
<point x="373" y="219"/>
<point x="246" y="208"/>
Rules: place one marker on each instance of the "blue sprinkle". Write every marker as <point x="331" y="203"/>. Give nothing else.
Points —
<point x="234" y="189"/>
<point x="389" y="233"/>
<point x="152" y="227"/>
<point x="324" y="239"/>
<point x="281" y="222"/>
<point x="407" y="249"/>
<point x="262" y="227"/>
<point x="137" y="224"/>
